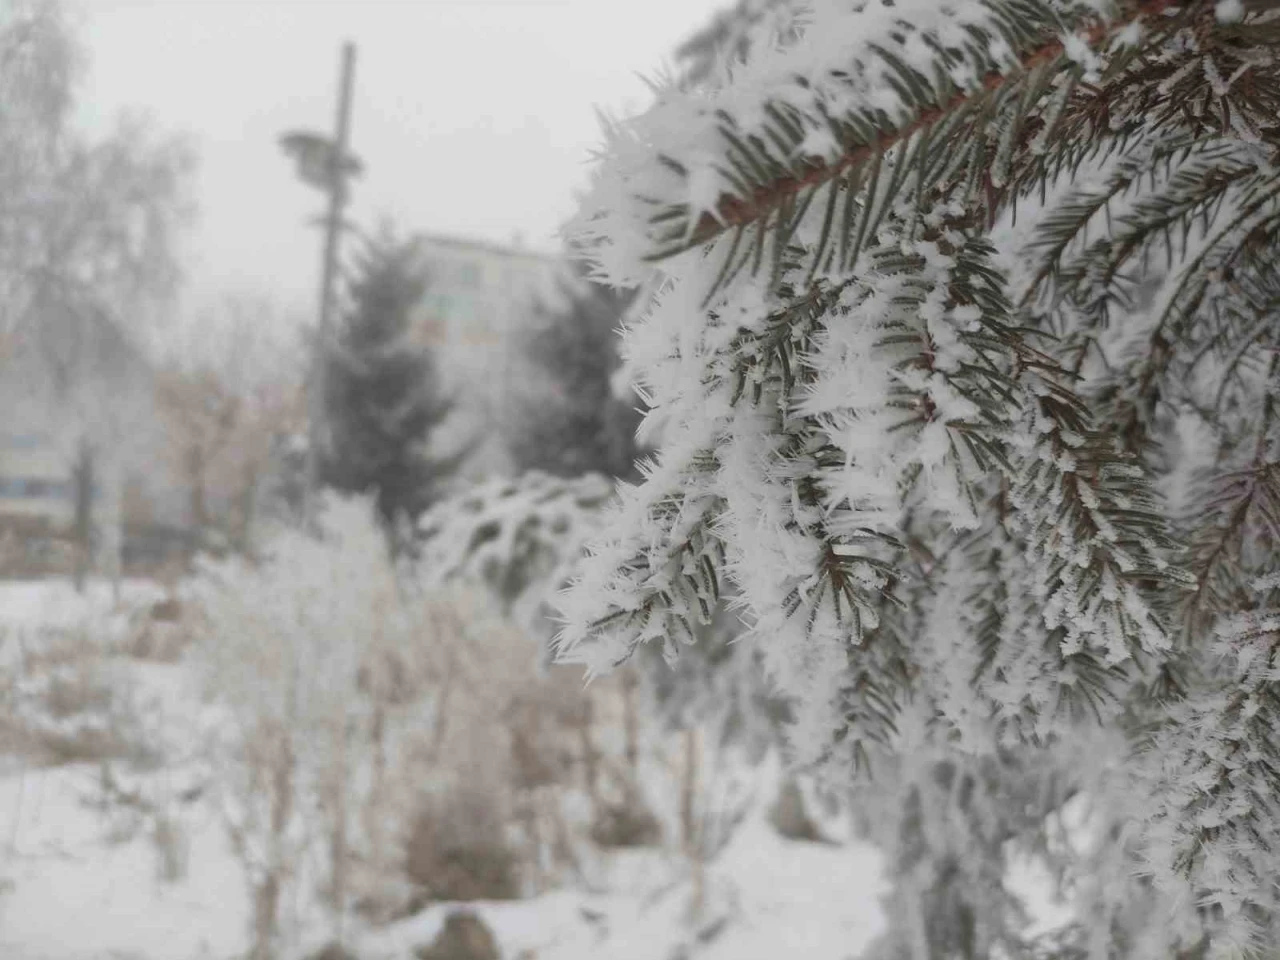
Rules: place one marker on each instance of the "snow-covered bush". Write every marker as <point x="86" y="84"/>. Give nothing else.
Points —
<point x="282" y="645"/>
<point x="68" y="700"/>
<point x="458" y="846"/>
<point x="524" y="538"/>
<point x="521" y="538"/>
<point x="365" y="713"/>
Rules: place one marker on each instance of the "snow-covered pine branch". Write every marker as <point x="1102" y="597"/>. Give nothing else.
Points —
<point x="945" y="293"/>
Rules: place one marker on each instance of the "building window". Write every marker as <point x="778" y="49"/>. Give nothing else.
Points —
<point x="480" y="328"/>
<point x="434" y="329"/>
<point x="23" y="441"/>
<point x="59" y="490"/>
<point x="34" y="488"/>
<point x="470" y="275"/>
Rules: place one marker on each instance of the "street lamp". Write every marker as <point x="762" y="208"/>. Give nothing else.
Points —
<point x="327" y="164"/>
<point x="314" y="156"/>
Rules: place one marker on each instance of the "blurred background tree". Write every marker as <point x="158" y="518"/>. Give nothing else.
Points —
<point x="383" y="395"/>
<point x="572" y="416"/>
<point x="88" y="257"/>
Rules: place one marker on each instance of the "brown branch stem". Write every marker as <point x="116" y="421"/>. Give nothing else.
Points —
<point x="733" y="211"/>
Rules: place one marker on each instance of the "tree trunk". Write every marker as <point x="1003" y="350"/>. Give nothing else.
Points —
<point x="528" y="804"/>
<point x="562" y="840"/>
<point x="341" y="860"/>
<point x="378" y="734"/>
<point x="111" y="526"/>
<point x="267" y="897"/>
<point x="375" y="808"/>
<point x="691" y="841"/>
<point x="631" y="723"/>
<point x="921" y="949"/>
<point x="197" y="500"/>
<point x="82" y="479"/>
<point x="341" y="846"/>
<point x="248" y="505"/>
<point x="266" y="909"/>
<point x="590" y="758"/>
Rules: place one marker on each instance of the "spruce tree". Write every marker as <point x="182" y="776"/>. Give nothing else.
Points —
<point x="383" y="395"/>
<point x="965" y="353"/>
<point x="571" y="421"/>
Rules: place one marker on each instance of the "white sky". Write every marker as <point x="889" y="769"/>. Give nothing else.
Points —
<point x="473" y="117"/>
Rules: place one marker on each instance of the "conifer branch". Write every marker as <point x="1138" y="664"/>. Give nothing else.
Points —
<point x="736" y="212"/>
<point x="945" y="533"/>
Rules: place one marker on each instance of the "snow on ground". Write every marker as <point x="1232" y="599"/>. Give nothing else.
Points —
<point x="63" y="858"/>
<point x="30" y="609"/>
<point x="767" y="897"/>
<point x="79" y="888"/>
<point x="80" y="883"/>
<point x="54" y="603"/>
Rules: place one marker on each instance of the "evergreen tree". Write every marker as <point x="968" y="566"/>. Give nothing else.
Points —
<point x="571" y="420"/>
<point x="965" y="351"/>
<point x="383" y="397"/>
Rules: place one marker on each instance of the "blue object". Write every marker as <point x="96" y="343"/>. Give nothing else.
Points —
<point x="23" y="441"/>
<point x="34" y="488"/>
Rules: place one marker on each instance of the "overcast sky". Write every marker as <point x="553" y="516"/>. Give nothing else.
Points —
<point x="473" y="117"/>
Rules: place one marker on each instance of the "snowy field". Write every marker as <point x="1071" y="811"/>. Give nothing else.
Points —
<point x="768" y="895"/>
<point x="44" y="605"/>
<point x="71" y="852"/>
<point x="85" y="875"/>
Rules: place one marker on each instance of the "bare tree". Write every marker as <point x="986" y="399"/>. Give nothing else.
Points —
<point x="230" y="383"/>
<point x="87" y="250"/>
<point x="203" y="414"/>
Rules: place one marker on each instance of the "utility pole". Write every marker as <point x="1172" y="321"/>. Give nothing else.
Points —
<point x="326" y="164"/>
<point x="328" y="268"/>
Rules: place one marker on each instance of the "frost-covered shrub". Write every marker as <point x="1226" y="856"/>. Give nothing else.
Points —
<point x="626" y="823"/>
<point x="77" y="710"/>
<point x="520" y="538"/>
<point x="458" y="846"/>
<point x="494" y="738"/>
<point x="81" y="689"/>
<point x="172" y="848"/>
<point x="525" y="539"/>
<point x="282" y="643"/>
<point x="789" y="814"/>
<point x="354" y="700"/>
<point x="159" y="631"/>
<point x="539" y="717"/>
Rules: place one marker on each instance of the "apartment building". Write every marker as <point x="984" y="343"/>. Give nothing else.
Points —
<point x="479" y="296"/>
<point x="35" y="483"/>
